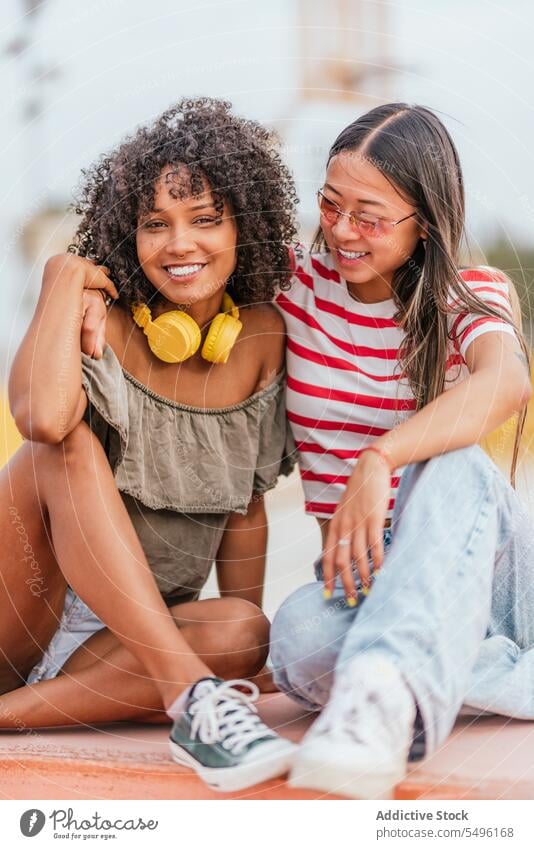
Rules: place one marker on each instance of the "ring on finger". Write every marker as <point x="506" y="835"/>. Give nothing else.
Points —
<point x="108" y="300"/>
<point x="344" y="541"/>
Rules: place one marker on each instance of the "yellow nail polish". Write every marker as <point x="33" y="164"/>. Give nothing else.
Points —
<point x="365" y="590"/>
<point x="327" y="594"/>
<point x="352" y="602"/>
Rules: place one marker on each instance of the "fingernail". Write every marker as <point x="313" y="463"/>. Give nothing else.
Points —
<point x="327" y="594"/>
<point x="365" y="590"/>
<point x="352" y="602"/>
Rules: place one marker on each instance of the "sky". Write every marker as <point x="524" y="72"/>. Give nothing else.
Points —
<point x="120" y="62"/>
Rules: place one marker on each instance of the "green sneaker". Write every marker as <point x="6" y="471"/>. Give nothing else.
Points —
<point x="220" y="735"/>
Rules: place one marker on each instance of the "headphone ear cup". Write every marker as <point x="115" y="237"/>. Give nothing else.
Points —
<point x="221" y="338"/>
<point x="174" y="336"/>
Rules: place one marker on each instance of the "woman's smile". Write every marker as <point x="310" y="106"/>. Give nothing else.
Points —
<point x="184" y="273"/>
<point x="352" y="258"/>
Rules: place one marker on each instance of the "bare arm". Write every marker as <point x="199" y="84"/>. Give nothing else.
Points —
<point x="242" y="553"/>
<point x="45" y="383"/>
<point x="497" y="387"/>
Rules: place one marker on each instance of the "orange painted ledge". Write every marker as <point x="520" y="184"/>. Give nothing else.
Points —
<point x="484" y="758"/>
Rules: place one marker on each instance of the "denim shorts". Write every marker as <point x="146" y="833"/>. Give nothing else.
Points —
<point x="77" y="624"/>
<point x="318" y="565"/>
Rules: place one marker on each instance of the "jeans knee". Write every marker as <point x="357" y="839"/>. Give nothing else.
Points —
<point x="306" y="638"/>
<point x="462" y="469"/>
<point x="470" y="459"/>
<point x="293" y="623"/>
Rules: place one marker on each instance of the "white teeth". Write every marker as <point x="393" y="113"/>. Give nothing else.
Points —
<point x="352" y="254"/>
<point x="183" y="270"/>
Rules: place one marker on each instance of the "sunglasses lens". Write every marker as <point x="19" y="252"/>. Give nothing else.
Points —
<point x="368" y="228"/>
<point x="374" y="229"/>
<point x="328" y="210"/>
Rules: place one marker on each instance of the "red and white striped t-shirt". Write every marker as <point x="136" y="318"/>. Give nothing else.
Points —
<point x="343" y="386"/>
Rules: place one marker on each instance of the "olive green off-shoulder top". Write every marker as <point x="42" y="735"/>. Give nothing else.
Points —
<point x="182" y="470"/>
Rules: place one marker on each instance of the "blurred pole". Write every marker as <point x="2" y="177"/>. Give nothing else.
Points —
<point x="34" y="75"/>
<point x="26" y="195"/>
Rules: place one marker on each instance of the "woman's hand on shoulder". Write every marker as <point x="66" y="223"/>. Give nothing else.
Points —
<point x="72" y="268"/>
<point x="96" y="288"/>
<point x="93" y="334"/>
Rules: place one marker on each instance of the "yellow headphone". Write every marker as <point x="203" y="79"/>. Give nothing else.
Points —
<point x="174" y="336"/>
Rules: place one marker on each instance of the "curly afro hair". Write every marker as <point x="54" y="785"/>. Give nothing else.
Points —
<point x="240" y="161"/>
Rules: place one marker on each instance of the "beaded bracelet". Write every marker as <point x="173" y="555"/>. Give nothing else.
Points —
<point x="381" y="453"/>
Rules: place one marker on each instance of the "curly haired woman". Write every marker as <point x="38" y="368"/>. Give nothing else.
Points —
<point x="147" y="457"/>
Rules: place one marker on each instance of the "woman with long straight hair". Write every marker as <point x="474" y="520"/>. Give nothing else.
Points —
<point x="399" y="363"/>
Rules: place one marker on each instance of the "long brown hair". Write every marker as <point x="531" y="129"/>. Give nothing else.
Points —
<point x="412" y="148"/>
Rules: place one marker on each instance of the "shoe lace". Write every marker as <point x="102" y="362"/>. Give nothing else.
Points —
<point x="228" y="716"/>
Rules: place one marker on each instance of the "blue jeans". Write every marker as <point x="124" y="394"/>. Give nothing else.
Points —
<point x="452" y="606"/>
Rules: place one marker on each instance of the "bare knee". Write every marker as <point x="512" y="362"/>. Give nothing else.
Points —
<point x="248" y="636"/>
<point x="78" y="452"/>
<point x="234" y="639"/>
<point x="76" y="447"/>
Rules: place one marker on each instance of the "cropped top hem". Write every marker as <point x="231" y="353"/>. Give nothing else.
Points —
<point x="204" y="509"/>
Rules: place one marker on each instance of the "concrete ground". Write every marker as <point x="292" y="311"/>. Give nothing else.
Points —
<point x="484" y="758"/>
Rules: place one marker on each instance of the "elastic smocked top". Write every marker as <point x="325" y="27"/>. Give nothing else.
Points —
<point x="173" y="456"/>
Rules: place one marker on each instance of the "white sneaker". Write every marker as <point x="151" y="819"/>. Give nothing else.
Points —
<point x="359" y="745"/>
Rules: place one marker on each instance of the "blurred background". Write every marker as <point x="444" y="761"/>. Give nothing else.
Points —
<point x="76" y="77"/>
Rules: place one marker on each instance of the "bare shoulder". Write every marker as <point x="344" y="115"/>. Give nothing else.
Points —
<point x="263" y="318"/>
<point x="264" y="330"/>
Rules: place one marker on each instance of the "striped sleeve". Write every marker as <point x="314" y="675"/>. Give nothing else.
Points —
<point x="491" y="286"/>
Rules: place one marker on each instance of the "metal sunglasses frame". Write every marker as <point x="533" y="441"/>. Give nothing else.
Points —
<point x="351" y="215"/>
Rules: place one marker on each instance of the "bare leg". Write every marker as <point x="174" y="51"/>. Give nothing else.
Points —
<point x="32" y="587"/>
<point x="72" y="492"/>
<point x="102" y="559"/>
<point x="103" y="682"/>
